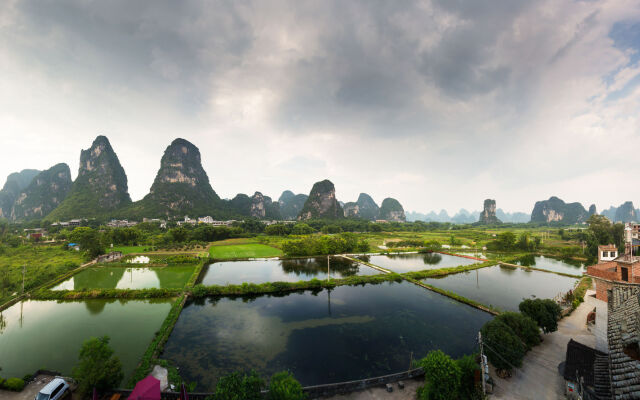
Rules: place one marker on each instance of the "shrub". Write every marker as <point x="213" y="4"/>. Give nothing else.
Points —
<point x="523" y="326"/>
<point x="442" y="376"/>
<point x="468" y="368"/>
<point x="283" y="386"/>
<point x="14" y="384"/>
<point x="239" y="387"/>
<point x="504" y="348"/>
<point x="545" y="313"/>
<point x="97" y="366"/>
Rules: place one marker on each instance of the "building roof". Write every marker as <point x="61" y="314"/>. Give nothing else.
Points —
<point x="580" y="359"/>
<point x="608" y="247"/>
<point x="622" y="333"/>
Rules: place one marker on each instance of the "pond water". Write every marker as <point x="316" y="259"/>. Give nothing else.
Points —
<point x="139" y="260"/>
<point x="566" y="266"/>
<point x="401" y="263"/>
<point x="504" y="287"/>
<point x="49" y="334"/>
<point x="174" y="277"/>
<point x="272" y="270"/>
<point x="350" y="332"/>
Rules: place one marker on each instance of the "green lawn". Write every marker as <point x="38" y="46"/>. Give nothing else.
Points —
<point x="43" y="263"/>
<point x="128" y="249"/>
<point x="252" y="250"/>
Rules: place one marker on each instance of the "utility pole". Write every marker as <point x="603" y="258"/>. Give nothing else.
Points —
<point x="328" y="272"/>
<point x="482" y="364"/>
<point x="24" y="270"/>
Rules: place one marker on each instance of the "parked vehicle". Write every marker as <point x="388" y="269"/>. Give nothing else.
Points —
<point x="54" y="390"/>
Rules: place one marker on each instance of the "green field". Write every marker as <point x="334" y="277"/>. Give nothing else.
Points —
<point x="129" y="249"/>
<point x="43" y="263"/>
<point x="252" y="250"/>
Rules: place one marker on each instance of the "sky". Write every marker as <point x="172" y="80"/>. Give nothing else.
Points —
<point x="439" y="104"/>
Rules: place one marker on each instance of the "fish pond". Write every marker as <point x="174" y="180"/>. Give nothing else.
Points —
<point x="350" y="332"/>
<point x="409" y="262"/>
<point x="273" y="270"/>
<point x="107" y="277"/>
<point x="504" y="287"/>
<point x="49" y="334"/>
<point x="566" y="266"/>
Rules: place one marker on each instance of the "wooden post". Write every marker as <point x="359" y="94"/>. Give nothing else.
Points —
<point x="24" y="270"/>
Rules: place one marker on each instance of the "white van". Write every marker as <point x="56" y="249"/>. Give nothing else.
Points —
<point x="54" y="390"/>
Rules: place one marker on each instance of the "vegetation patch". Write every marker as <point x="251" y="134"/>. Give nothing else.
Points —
<point x="157" y="344"/>
<point x="431" y="273"/>
<point x="250" y="250"/>
<point x="152" y="293"/>
<point x="283" y="287"/>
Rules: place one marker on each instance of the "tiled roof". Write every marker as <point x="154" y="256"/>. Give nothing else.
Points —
<point x="580" y="359"/>
<point x="622" y="330"/>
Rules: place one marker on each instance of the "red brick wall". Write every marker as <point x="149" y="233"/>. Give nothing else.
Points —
<point x="601" y="289"/>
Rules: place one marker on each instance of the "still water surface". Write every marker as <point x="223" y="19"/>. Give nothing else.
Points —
<point x="401" y="263"/>
<point x="174" y="277"/>
<point x="351" y="332"/>
<point x="567" y="266"/>
<point x="47" y="334"/>
<point x="504" y="287"/>
<point x="272" y="270"/>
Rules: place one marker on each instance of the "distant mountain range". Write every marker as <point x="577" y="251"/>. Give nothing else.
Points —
<point x="467" y="217"/>
<point x="181" y="187"/>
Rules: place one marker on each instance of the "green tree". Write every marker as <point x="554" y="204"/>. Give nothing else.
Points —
<point x="504" y="349"/>
<point x="468" y="387"/>
<point x="283" y="386"/>
<point x="239" y="387"/>
<point x="302" y="229"/>
<point x="442" y="377"/>
<point x="97" y="366"/>
<point x="88" y="239"/>
<point x="523" y="326"/>
<point x="545" y="312"/>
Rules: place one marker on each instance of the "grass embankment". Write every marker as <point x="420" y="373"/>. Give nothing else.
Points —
<point x="152" y="293"/>
<point x="157" y="344"/>
<point x="250" y="289"/>
<point x="43" y="263"/>
<point x="130" y="249"/>
<point x="250" y="250"/>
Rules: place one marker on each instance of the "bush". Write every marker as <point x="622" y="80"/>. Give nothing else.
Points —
<point x="283" y="386"/>
<point x="504" y="348"/>
<point x="545" y="313"/>
<point x="442" y="376"/>
<point x="97" y="366"/>
<point x="468" y="368"/>
<point x="14" y="384"/>
<point x="239" y="387"/>
<point x="523" y="326"/>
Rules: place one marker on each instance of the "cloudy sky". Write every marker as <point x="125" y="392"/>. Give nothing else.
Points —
<point x="439" y="103"/>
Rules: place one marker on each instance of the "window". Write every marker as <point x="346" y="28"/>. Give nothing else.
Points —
<point x="604" y="254"/>
<point x="56" y="390"/>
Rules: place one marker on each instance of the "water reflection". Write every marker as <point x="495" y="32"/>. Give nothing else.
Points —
<point x="567" y="266"/>
<point x="407" y="262"/>
<point x="48" y="334"/>
<point x="330" y="336"/>
<point x="289" y="270"/>
<point x="504" y="287"/>
<point x="174" y="277"/>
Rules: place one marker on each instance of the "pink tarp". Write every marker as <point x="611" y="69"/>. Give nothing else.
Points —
<point x="146" y="389"/>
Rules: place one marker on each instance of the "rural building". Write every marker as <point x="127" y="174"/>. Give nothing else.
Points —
<point x="112" y="256"/>
<point x="607" y="252"/>
<point x="580" y="365"/>
<point x="115" y="223"/>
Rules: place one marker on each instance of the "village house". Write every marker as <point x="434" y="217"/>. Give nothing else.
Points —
<point x="115" y="223"/>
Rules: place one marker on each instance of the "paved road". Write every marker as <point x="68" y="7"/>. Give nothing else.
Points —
<point x="539" y="377"/>
<point x="408" y="393"/>
<point x="29" y="392"/>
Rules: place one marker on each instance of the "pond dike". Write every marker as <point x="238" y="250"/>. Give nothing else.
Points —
<point x="432" y="288"/>
<point x="538" y="269"/>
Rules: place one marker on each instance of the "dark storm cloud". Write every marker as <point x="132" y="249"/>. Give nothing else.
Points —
<point x="165" y="47"/>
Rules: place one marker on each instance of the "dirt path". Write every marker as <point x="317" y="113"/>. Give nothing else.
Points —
<point x="539" y="377"/>
<point x="408" y="393"/>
